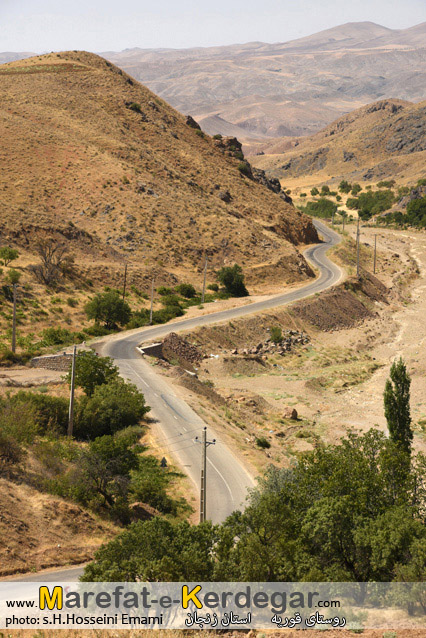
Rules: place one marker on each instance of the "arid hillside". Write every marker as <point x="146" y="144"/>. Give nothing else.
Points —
<point x="380" y="141"/>
<point x="94" y="158"/>
<point x="260" y="90"/>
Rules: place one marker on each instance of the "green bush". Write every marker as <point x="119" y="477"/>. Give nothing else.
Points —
<point x="213" y="287"/>
<point x="149" y="485"/>
<point x="356" y="188"/>
<point x="262" y="442"/>
<point x="390" y="183"/>
<point x="51" y="413"/>
<point x="56" y="336"/>
<point x="112" y="407"/>
<point x="232" y="278"/>
<point x="323" y="207"/>
<point x="134" y="106"/>
<point x="92" y="371"/>
<point x="7" y="255"/>
<point x="108" y="308"/>
<point x="314" y="191"/>
<point x="244" y="169"/>
<point x="163" y="290"/>
<point x="186" y="290"/>
<point x="13" y="276"/>
<point x="276" y="334"/>
<point x="345" y="187"/>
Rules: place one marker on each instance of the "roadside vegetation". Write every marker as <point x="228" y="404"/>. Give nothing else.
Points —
<point x="106" y="311"/>
<point x="104" y="468"/>
<point x="348" y="512"/>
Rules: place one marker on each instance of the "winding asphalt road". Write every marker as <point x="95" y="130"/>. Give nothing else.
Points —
<point x="227" y="480"/>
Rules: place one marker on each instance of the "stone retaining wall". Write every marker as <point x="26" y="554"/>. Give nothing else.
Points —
<point x="60" y="362"/>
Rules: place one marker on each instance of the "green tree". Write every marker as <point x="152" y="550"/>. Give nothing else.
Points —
<point x="108" y="308"/>
<point x="92" y="371"/>
<point x="397" y="406"/>
<point x="345" y="187"/>
<point x="113" y="406"/>
<point x="13" y="276"/>
<point x="186" y="290"/>
<point x="314" y="191"/>
<point x="103" y="472"/>
<point x="8" y="254"/>
<point x="325" y="190"/>
<point x="232" y="278"/>
<point x="156" y="550"/>
<point x="356" y="188"/>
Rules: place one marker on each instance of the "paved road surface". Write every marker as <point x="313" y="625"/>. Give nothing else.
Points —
<point x="227" y="479"/>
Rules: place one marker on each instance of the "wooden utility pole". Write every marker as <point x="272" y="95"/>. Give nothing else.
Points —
<point x="203" y="484"/>
<point x="125" y="281"/>
<point x="332" y="218"/>
<point x="204" y="282"/>
<point x="343" y="218"/>
<point x="375" y="253"/>
<point x="152" y="303"/>
<point x="71" y="409"/>
<point x="14" y="319"/>
<point x="357" y="249"/>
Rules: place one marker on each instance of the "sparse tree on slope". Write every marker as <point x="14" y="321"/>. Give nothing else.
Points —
<point x="397" y="406"/>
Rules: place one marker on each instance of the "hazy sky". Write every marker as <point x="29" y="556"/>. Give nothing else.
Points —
<point x="102" y="25"/>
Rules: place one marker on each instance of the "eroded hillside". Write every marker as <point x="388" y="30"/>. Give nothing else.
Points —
<point x="93" y="158"/>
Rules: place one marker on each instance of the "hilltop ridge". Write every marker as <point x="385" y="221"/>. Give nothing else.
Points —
<point x="91" y="156"/>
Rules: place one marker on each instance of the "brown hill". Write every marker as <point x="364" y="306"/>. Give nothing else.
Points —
<point x="383" y="140"/>
<point x="259" y="90"/>
<point x="98" y="161"/>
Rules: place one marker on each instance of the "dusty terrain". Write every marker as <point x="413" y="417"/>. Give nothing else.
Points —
<point x="259" y="90"/>
<point x="335" y="382"/>
<point x="380" y="141"/>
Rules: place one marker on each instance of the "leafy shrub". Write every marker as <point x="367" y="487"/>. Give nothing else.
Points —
<point x="186" y="290"/>
<point x="325" y="190"/>
<point x="56" y="336"/>
<point x="13" y="276"/>
<point x="200" y="133"/>
<point x="112" y="407"/>
<point x="276" y="334"/>
<point x="421" y="182"/>
<point x="345" y="187"/>
<point x="73" y="303"/>
<point x="92" y="371"/>
<point x="7" y="255"/>
<point x="163" y="290"/>
<point x="390" y="183"/>
<point x="217" y="136"/>
<point x="262" y="442"/>
<point x="356" y="188"/>
<point x="149" y="483"/>
<point x="108" y="308"/>
<point x="314" y="191"/>
<point x="323" y="207"/>
<point x="244" y="169"/>
<point x="134" y="106"/>
<point x="232" y="278"/>
<point x="213" y="287"/>
<point x="50" y="413"/>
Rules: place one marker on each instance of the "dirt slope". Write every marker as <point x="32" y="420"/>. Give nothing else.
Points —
<point x="95" y="158"/>
<point x="38" y="530"/>
<point x="382" y="140"/>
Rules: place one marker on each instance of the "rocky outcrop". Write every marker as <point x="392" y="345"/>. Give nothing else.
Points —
<point x="192" y="123"/>
<point x="177" y="349"/>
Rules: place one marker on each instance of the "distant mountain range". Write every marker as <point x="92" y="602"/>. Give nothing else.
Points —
<point x="259" y="90"/>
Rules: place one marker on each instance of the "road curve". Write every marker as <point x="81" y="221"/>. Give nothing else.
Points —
<point x="178" y="425"/>
<point x="228" y="480"/>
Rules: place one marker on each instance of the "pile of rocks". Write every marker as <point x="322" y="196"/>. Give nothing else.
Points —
<point x="289" y="340"/>
<point x="174" y="347"/>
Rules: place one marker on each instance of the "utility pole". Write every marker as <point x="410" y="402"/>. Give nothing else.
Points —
<point x="14" y="319"/>
<point x="343" y="218"/>
<point x="375" y="253"/>
<point x="71" y="410"/>
<point x="125" y="281"/>
<point x="203" y="485"/>
<point x="152" y="303"/>
<point x="332" y="218"/>
<point x="204" y="282"/>
<point x="357" y="249"/>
